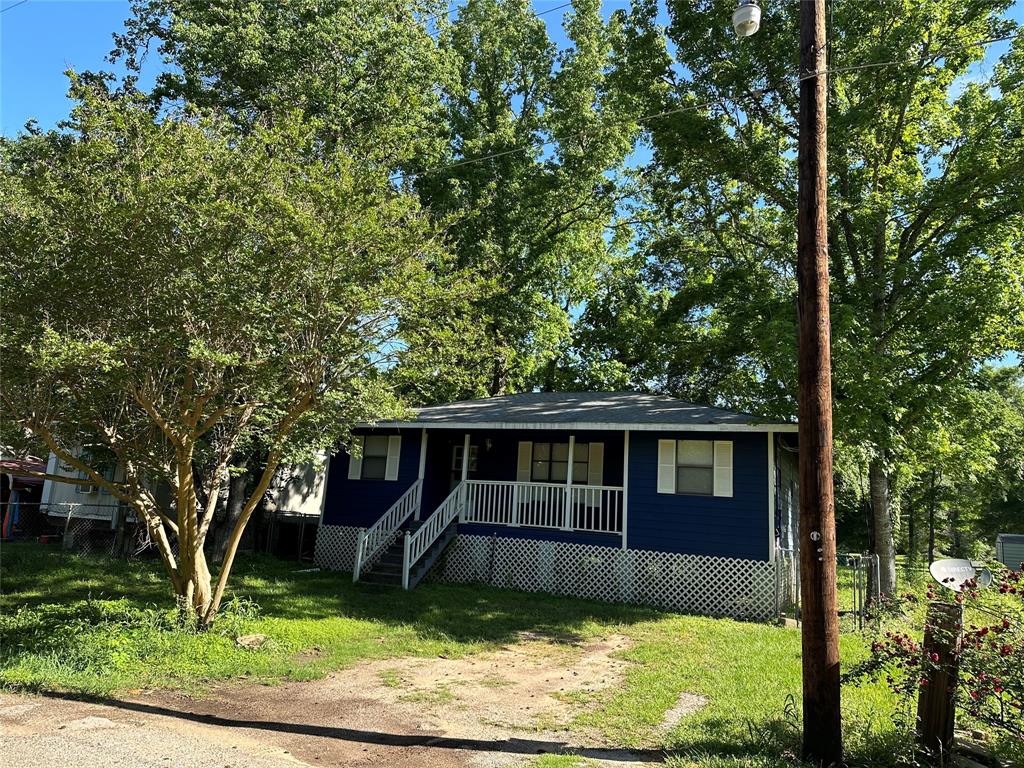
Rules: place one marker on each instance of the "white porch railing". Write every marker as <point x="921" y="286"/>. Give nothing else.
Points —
<point x="378" y="535"/>
<point x="416" y="544"/>
<point x="590" y="508"/>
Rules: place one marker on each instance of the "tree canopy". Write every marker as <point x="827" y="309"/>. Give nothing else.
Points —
<point x="175" y="287"/>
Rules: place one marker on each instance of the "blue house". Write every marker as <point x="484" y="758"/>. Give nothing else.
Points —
<point x="611" y="495"/>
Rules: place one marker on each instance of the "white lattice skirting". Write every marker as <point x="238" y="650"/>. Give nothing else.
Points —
<point x="336" y="547"/>
<point x="712" y="586"/>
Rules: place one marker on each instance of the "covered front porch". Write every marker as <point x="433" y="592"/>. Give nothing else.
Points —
<point x="526" y="480"/>
<point x="548" y="484"/>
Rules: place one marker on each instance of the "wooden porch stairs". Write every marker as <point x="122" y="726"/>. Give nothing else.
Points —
<point x="388" y="569"/>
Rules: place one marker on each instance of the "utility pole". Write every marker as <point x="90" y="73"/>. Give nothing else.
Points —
<point x="822" y="744"/>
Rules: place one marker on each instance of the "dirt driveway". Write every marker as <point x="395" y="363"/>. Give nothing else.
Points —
<point x="492" y="710"/>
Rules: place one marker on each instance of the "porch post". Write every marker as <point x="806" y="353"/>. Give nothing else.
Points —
<point x="423" y="466"/>
<point x="465" y="475"/>
<point x="625" y="485"/>
<point x="567" y="522"/>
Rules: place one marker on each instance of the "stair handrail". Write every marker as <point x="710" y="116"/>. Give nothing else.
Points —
<point x="417" y="543"/>
<point x="373" y="539"/>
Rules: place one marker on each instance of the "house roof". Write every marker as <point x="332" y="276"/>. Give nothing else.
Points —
<point x="587" y="410"/>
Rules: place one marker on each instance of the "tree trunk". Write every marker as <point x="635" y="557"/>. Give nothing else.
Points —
<point x="884" y="546"/>
<point x="911" y="533"/>
<point x="955" y="539"/>
<point x="931" y="522"/>
<point x="238" y="492"/>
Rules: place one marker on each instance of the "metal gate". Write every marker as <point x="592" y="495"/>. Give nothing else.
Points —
<point x="853" y="581"/>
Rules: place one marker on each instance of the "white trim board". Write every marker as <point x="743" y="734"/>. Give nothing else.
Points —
<point x="581" y="426"/>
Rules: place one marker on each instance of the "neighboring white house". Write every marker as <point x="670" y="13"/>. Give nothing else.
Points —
<point x="89" y="502"/>
<point x="298" y="490"/>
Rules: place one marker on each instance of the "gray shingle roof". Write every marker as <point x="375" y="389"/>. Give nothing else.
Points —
<point x="584" y="409"/>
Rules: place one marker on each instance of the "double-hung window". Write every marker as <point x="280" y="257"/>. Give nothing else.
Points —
<point x="550" y="463"/>
<point x="695" y="467"/>
<point x="375" y="457"/>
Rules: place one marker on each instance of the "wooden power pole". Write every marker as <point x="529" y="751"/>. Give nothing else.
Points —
<point x="822" y="744"/>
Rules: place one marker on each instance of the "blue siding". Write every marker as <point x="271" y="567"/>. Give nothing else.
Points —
<point x="734" y="526"/>
<point x="362" y="502"/>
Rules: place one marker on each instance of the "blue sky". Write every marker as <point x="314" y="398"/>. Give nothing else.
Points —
<point x="39" y="39"/>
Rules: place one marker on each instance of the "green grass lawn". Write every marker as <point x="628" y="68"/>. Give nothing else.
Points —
<point x="100" y="627"/>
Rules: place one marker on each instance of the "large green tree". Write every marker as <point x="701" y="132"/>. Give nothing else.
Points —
<point x="370" y="73"/>
<point x="174" y="287"/>
<point x="527" y="183"/>
<point x="926" y="163"/>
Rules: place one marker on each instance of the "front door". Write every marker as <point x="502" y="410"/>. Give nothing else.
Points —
<point x="456" y="465"/>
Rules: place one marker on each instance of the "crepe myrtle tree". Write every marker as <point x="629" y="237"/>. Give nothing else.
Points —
<point x="175" y="289"/>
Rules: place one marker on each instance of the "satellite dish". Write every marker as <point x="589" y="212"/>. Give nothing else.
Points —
<point x="953" y="573"/>
<point x="984" y="578"/>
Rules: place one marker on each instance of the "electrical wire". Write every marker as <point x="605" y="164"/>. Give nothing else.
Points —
<point x="15" y="5"/>
<point x="548" y="142"/>
<point x="754" y="94"/>
<point x="919" y="60"/>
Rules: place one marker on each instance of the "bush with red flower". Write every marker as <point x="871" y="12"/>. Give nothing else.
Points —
<point x="989" y="652"/>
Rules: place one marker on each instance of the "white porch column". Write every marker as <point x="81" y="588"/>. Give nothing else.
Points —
<point x="625" y="485"/>
<point x="422" y="471"/>
<point x="567" y="521"/>
<point x="771" y="497"/>
<point x="465" y="476"/>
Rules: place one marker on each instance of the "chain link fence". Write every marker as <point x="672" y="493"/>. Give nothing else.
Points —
<point x="855" y="581"/>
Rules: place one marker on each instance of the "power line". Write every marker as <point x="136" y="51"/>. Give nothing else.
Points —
<point x="919" y="60"/>
<point x="456" y="7"/>
<point x="15" y="5"/>
<point x="667" y="113"/>
<point x="548" y="142"/>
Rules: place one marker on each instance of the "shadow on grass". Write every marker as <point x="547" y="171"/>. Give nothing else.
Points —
<point x="515" y="746"/>
<point x="37" y="576"/>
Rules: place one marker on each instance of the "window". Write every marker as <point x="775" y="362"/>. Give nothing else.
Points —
<point x="474" y="454"/>
<point x="550" y="463"/>
<point x="375" y="457"/>
<point x="695" y="467"/>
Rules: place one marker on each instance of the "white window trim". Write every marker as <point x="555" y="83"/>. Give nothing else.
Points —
<point x="722" y="469"/>
<point x="392" y="462"/>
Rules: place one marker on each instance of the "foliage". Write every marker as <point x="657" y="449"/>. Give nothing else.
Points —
<point x="926" y="215"/>
<point x="527" y="183"/>
<point x="989" y="653"/>
<point x="177" y="288"/>
<point x="367" y="73"/>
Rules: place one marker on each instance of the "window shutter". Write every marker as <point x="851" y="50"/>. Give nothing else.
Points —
<point x="355" y="464"/>
<point x="723" y="467"/>
<point x="595" y="470"/>
<point x="394" y="453"/>
<point x="523" y="461"/>
<point x="666" y="466"/>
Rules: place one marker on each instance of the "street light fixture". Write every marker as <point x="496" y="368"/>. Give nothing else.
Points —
<point x="746" y="19"/>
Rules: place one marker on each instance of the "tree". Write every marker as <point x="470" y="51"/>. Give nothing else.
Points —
<point x="175" y="287"/>
<point x="369" y="73"/>
<point x="527" y="191"/>
<point x="926" y="211"/>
